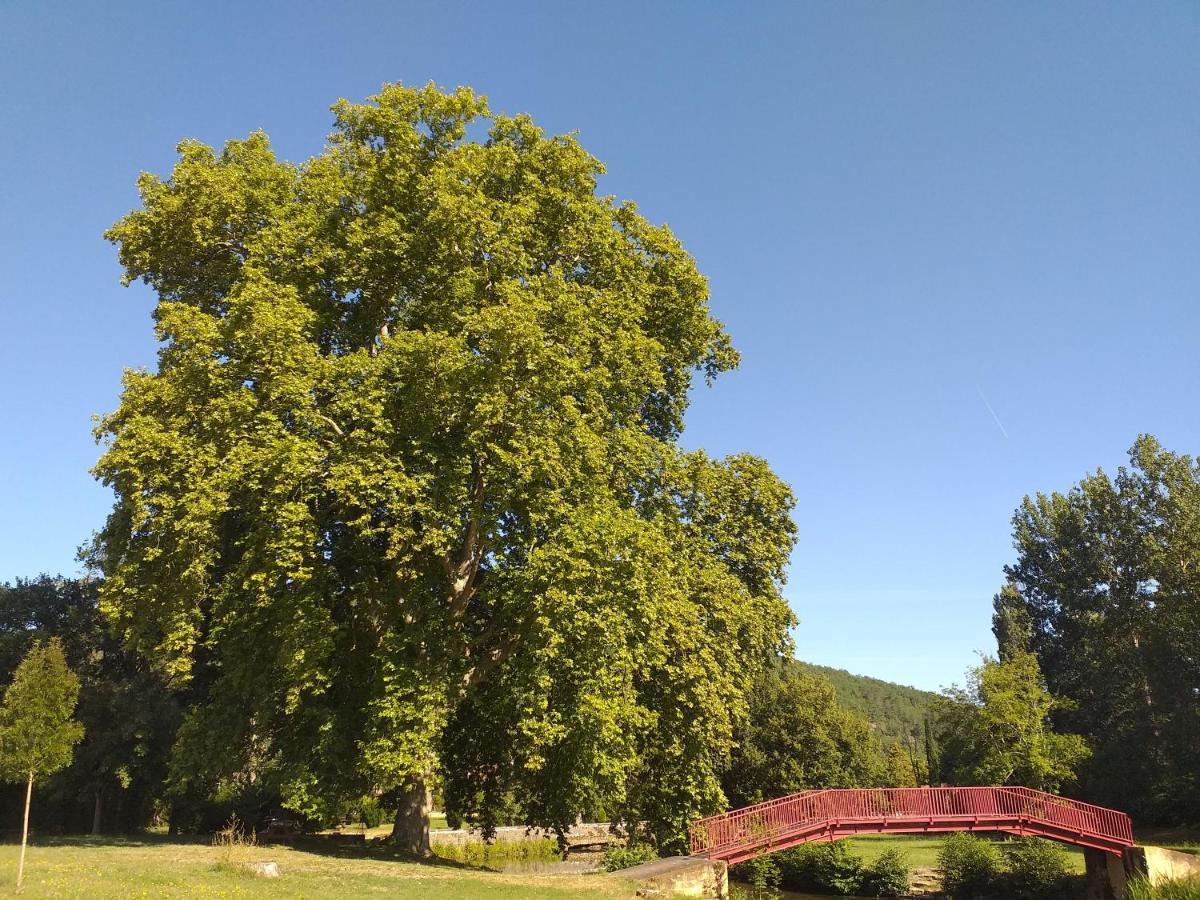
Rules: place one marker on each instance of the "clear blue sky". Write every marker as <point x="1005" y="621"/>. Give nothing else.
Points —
<point x="903" y="208"/>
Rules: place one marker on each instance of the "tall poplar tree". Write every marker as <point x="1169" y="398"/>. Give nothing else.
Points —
<point x="403" y="498"/>
<point x="1105" y="590"/>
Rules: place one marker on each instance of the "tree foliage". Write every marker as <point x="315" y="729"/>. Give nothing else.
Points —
<point x="900" y="769"/>
<point x="128" y="716"/>
<point x="897" y="713"/>
<point x="1105" y="591"/>
<point x="37" y="732"/>
<point x="404" y="494"/>
<point x="971" y="866"/>
<point x="797" y="737"/>
<point x="997" y="730"/>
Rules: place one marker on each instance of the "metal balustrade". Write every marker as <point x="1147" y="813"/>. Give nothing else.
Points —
<point x="742" y="834"/>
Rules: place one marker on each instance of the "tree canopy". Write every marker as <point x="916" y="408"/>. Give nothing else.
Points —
<point x="37" y="733"/>
<point x="129" y="718"/>
<point x="998" y="729"/>
<point x="404" y="496"/>
<point x="797" y="737"/>
<point x="1105" y="591"/>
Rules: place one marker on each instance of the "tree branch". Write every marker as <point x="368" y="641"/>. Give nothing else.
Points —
<point x="462" y="576"/>
<point x="478" y="673"/>
<point x="332" y="424"/>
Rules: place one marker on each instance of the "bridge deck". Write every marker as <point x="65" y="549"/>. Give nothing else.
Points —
<point x="742" y="834"/>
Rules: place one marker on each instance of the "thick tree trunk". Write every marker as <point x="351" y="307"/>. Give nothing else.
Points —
<point x="24" y="832"/>
<point x="410" y="831"/>
<point x="97" y="811"/>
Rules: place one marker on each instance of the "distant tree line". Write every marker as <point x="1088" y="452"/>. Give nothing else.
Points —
<point x="898" y="714"/>
<point x="116" y="776"/>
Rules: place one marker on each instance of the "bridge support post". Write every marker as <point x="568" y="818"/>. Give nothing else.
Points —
<point x="1105" y="875"/>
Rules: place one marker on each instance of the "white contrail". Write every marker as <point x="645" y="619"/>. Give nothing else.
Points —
<point x="995" y="417"/>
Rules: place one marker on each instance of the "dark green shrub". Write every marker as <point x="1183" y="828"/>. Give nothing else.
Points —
<point x="372" y="813"/>
<point x="970" y="867"/>
<point x="616" y="857"/>
<point x="1037" y="869"/>
<point x="886" y="876"/>
<point x="824" y="867"/>
<point x="762" y="872"/>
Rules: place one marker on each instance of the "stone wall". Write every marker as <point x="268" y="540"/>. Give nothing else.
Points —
<point x="680" y="876"/>
<point x="585" y="834"/>
<point x="1158" y="864"/>
<point x="1108" y="874"/>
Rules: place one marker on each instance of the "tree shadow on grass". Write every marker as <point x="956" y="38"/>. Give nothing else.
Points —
<point x="105" y="840"/>
<point x="374" y="850"/>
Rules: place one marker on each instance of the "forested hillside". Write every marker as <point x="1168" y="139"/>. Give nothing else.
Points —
<point x="895" y="710"/>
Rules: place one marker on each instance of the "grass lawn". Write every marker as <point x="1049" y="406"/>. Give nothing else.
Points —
<point x="154" y="867"/>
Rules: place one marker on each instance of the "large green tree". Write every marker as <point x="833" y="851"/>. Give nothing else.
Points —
<point x="403" y="497"/>
<point x="1105" y="591"/>
<point x="998" y="729"/>
<point x="37" y="733"/>
<point x="797" y="737"/>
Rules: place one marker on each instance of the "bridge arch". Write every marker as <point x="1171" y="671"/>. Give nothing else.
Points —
<point x="827" y="815"/>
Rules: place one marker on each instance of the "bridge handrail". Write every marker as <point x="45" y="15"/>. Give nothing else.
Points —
<point x="762" y="822"/>
<point x="1115" y="823"/>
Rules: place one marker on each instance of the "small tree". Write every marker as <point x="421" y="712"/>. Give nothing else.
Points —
<point x="899" y="769"/>
<point x="37" y="733"/>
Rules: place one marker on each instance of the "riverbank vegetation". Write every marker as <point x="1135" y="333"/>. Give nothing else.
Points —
<point x="1181" y="889"/>
<point x="828" y="868"/>
<point x="486" y="854"/>
<point x="970" y="867"/>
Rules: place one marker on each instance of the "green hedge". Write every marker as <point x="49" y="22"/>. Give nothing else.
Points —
<point x="617" y="858"/>
<point x="827" y="868"/>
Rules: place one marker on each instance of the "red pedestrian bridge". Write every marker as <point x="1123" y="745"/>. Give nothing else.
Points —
<point x="742" y="834"/>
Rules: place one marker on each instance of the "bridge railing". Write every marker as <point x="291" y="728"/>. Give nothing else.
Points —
<point x="1074" y="814"/>
<point x="765" y="822"/>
